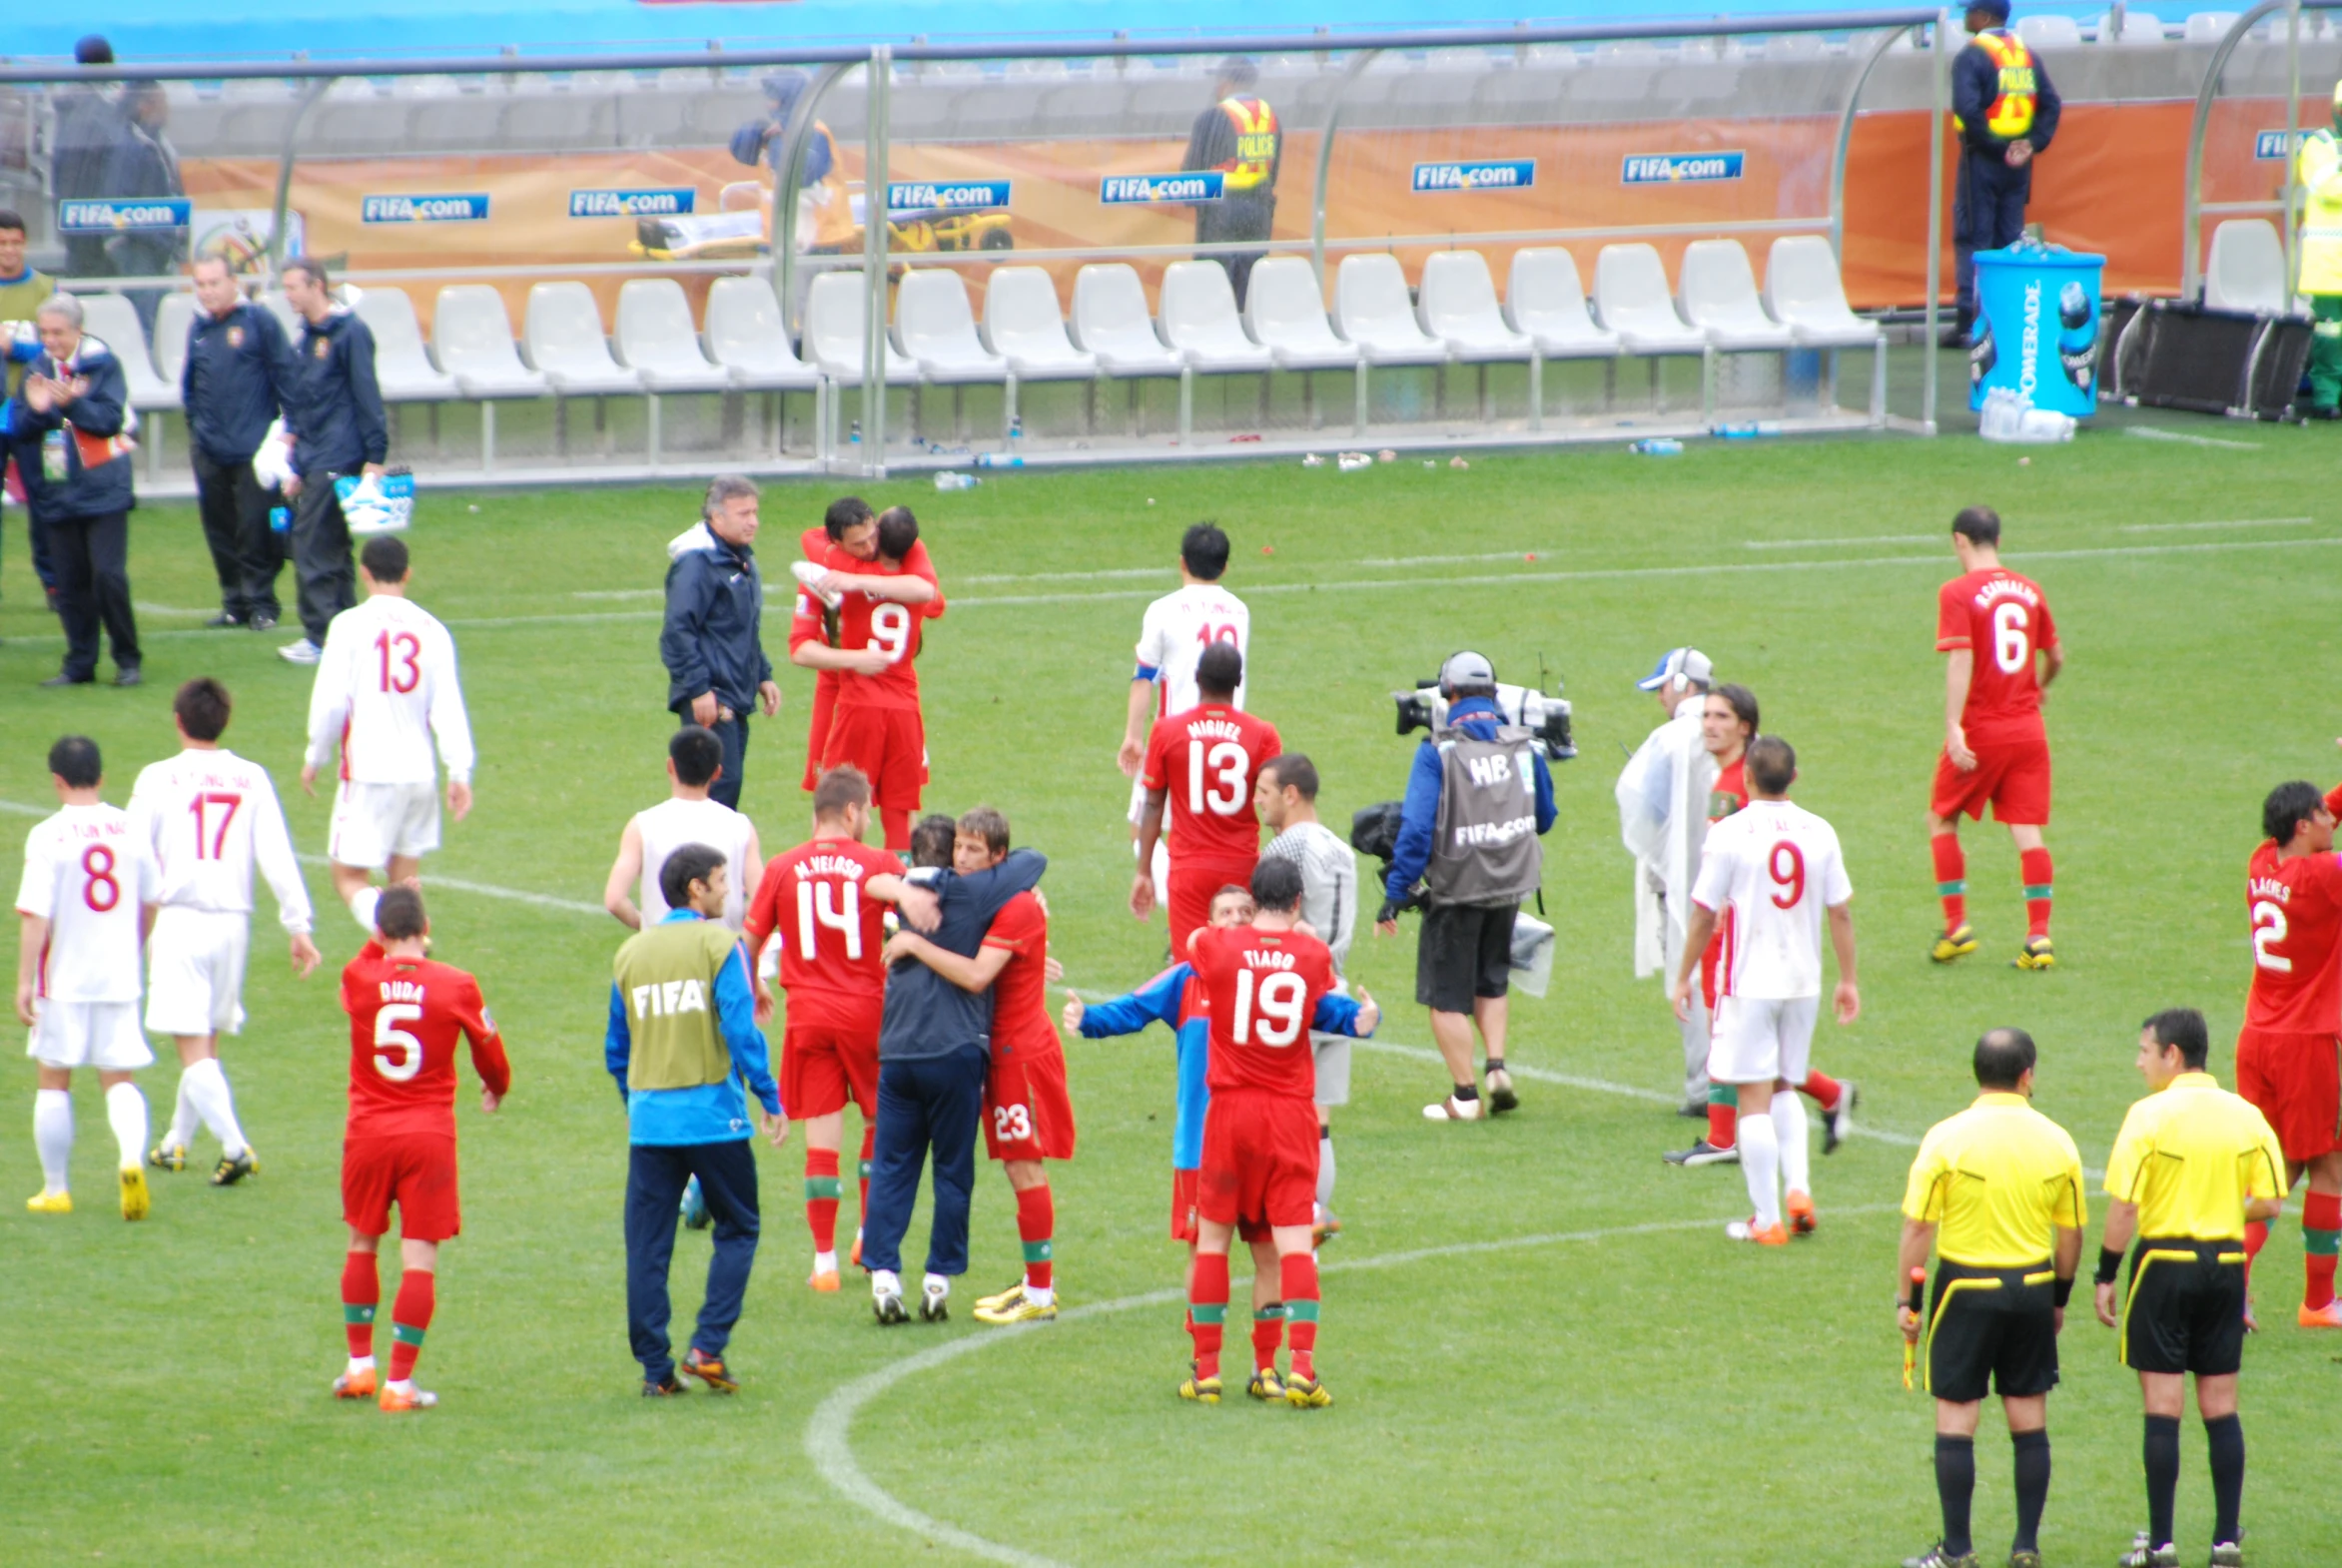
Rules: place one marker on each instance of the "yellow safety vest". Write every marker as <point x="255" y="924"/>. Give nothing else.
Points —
<point x="833" y="209"/>
<point x="1256" y="141"/>
<point x="2010" y="114"/>
<point x="2319" y="169"/>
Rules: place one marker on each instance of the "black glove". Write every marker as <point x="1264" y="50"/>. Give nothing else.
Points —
<point x="1388" y="913"/>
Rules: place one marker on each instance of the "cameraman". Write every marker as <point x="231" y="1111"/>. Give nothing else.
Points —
<point x="1465" y="828"/>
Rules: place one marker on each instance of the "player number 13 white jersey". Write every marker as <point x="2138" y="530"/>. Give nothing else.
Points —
<point x="1776" y="867"/>
<point x="386" y="685"/>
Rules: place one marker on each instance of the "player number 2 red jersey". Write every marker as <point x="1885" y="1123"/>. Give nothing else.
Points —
<point x="404" y="1016"/>
<point x="2003" y="618"/>
<point x="1263" y="987"/>
<point x="1206" y="761"/>
<point x="2296" y="912"/>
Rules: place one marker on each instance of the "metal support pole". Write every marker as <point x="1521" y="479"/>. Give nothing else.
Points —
<point x="1845" y="146"/>
<point x="874" y="262"/>
<point x="1359" y="63"/>
<point x="1536" y="388"/>
<point x="2191" y="269"/>
<point x="284" y="161"/>
<point x="794" y="137"/>
<point x="1937" y="61"/>
<point x="2292" y="158"/>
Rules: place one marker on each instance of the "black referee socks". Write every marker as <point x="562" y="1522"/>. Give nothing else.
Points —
<point x="2033" y="1485"/>
<point x="1467" y="1092"/>
<point x="1955" y="1484"/>
<point x="2162" y="1456"/>
<point x="2226" y="1436"/>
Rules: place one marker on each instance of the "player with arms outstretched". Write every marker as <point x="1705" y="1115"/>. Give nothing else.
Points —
<point x="2001" y="651"/>
<point x="405" y="1014"/>
<point x="1268" y="985"/>
<point x="1202" y="769"/>
<point x="1172" y="635"/>
<point x="385" y="687"/>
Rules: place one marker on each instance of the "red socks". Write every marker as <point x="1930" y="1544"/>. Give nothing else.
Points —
<point x="1207" y="1310"/>
<point x="2256" y="1237"/>
<point x="2034" y="869"/>
<point x="1035" y="1220"/>
<point x="1821" y="1089"/>
<point x="410" y="1315"/>
<point x="1268" y="1336"/>
<point x="1299" y="1276"/>
<point x="1723" y="1122"/>
<point x="821" y="1198"/>
<point x="1950" y="879"/>
<point x="2321" y="1231"/>
<point x="897" y="823"/>
<point x="361" y="1293"/>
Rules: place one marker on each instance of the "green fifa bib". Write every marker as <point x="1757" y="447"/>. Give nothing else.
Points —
<point x="666" y="979"/>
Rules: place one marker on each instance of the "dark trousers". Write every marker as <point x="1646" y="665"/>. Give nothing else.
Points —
<point x="1988" y="213"/>
<point x="735" y="734"/>
<point x="245" y="557"/>
<point x="327" y="581"/>
<point x="931" y="1103"/>
<point x="656" y="1178"/>
<point x="92" y="556"/>
<point x="44" y="569"/>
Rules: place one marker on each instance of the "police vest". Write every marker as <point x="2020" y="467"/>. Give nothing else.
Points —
<point x="2010" y="114"/>
<point x="666" y="979"/>
<point x="1257" y="142"/>
<point x="1484" y="847"/>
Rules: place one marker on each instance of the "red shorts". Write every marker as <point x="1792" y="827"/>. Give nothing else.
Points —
<point x="1027" y="1112"/>
<point x="827" y="1060"/>
<point x="1260" y="1159"/>
<point x="2295" y="1079"/>
<point x="825" y="705"/>
<point x="415" y="1171"/>
<point x="1189" y="890"/>
<point x="889" y="745"/>
<point x="2012" y="774"/>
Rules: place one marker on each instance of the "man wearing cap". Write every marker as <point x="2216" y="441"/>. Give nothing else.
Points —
<point x="1237" y="136"/>
<point x="819" y="177"/>
<point x="1663" y="819"/>
<point x="1478" y="799"/>
<point x="2004" y="111"/>
<point x="2318" y="169"/>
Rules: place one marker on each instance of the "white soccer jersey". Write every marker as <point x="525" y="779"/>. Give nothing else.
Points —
<point x="209" y="817"/>
<point x="1178" y="628"/>
<point x="386" y="685"/>
<point x="87" y="872"/>
<point x="1776" y="867"/>
<point x="671" y="824"/>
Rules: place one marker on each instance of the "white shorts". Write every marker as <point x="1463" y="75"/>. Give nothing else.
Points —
<point x="373" y="822"/>
<point x="1139" y="800"/>
<point x="1332" y="1053"/>
<point x="1760" y="1039"/>
<point x="195" y="972"/>
<point x="103" y="1035"/>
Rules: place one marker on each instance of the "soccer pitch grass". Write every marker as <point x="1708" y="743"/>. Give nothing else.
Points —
<point x="1541" y="1346"/>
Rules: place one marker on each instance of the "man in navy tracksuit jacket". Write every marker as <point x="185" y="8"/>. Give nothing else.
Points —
<point x="232" y="386"/>
<point x="333" y="412"/>
<point x="712" y="642"/>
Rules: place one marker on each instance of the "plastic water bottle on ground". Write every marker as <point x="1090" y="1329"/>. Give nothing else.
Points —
<point x="2009" y="415"/>
<point x="1746" y="431"/>
<point x="994" y="459"/>
<point x="954" y="481"/>
<point x="1658" y="446"/>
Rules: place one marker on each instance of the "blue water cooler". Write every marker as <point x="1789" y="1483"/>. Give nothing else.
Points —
<point x="2037" y="327"/>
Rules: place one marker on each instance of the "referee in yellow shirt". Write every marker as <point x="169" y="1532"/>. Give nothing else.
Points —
<point x="2193" y="1163"/>
<point x="1997" y="1190"/>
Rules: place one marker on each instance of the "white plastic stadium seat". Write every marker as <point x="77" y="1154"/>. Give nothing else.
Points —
<point x="472" y="338"/>
<point x="173" y="320"/>
<point x="1804" y="292"/>
<point x="1458" y="306"/>
<point x="2049" y="31"/>
<point x="1286" y="312"/>
<point x="1543" y="298"/>
<point x="564" y="336"/>
<point x="1022" y="325"/>
<point x="1629" y="295"/>
<point x="935" y="329"/>
<point x="746" y="337"/>
<point x="656" y="341"/>
<point x="2138" y="27"/>
<point x="1199" y="319"/>
<point x="113" y="321"/>
<point x="275" y="302"/>
<point x="1720" y="298"/>
<point x="401" y="369"/>
<point x="2208" y="27"/>
<point x="2246" y="268"/>
<point x="833" y="331"/>
<point x="1110" y="321"/>
<point x="1371" y="310"/>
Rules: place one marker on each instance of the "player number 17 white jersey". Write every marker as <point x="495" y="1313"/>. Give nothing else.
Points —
<point x="386" y="685"/>
<point x="1178" y="627"/>
<point x="208" y="817"/>
<point x="1776" y="867"/>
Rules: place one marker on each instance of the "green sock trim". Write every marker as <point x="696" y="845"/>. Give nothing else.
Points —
<point x="1207" y="1311"/>
<point x="817" y="1187"/>
<point x="356" y="1313"/>
<point x="1723" y="1094"/>
<point x="2032" y="891"/>
<point x="1300" y="1311"/>
<point x="1952" y="889"/>
<point x="1272" y="1312"/>
<point x="403" y="1334"/>
<point x="1036" y="1252"/>
<point x="2321" y="1244"/>
<point x="865" y="1169"/>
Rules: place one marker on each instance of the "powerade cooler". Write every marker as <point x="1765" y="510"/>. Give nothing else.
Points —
<point x="2038" y="327"/>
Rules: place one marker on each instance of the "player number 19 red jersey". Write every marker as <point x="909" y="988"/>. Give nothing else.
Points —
<point x="1264" y="988"/>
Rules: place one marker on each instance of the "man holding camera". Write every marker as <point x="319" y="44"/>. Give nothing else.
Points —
<point x="1478" y="788"/>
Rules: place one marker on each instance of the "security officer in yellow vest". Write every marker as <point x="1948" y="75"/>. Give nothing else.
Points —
<point x="1237" y="136"/>
<point x="2318" y="169"/>
<point x="2005" y="111"/>
<point x="682" y="1039"/>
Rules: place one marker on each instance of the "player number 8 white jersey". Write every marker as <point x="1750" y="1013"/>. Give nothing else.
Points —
<point x="1776" y="867"/>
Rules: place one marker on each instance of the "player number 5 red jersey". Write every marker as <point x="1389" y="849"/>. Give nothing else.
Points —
<point x="404" y="1016"/>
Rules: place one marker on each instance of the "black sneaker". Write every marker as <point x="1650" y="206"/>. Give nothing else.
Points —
<point x="260" y="620"/>
<point x="1500" y="1091"/>
<point x="1701" y="1153"/>
<point x="226" y="620"/>
<point x="1936" y="1557"/>
<point x="232" y="1170"/>
<point x="935" y="1306"/>
<point x="63" y="679"/>
<point x="710" y="1369"/>
<point x="128" y="676"/>
<point x="667" y="1389"/>
<point x="1838" y="1122"/>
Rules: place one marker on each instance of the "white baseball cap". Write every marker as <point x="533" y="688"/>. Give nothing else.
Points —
<point x="1679" y="664"/>
<point x="1465" y="669"/>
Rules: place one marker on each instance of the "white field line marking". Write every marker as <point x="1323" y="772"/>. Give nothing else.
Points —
<point x="619" y="594"/>
<point x="1867" y="538"/>
<point x="144" y="609"/>
<point x="1077" y="577"/>
<point x="830" y="1431"/>
<point x="2233" y="523"/>
<point x="2149" y="434"/>
<point x="1527" y="551"/>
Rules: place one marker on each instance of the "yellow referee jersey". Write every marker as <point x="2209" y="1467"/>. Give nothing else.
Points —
<point x="2189" y="1156"/>
<point x="1998" y="1181"/>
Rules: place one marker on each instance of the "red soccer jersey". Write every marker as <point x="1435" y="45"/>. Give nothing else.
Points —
<point x="865" y="622"/>
<point x="405" y="1014"/>
<point x="832" y="930"/>
<point x="1206" y="761"/>
<point x="1263" y="987"/>
<point x="2296" y="911"/>
<point x="1019" y="1008"/>
<point x="2003" y="618"/>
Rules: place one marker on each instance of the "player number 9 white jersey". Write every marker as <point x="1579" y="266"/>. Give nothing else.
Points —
<point x="1776" y="867"/>
<point x="1178" y="627"/>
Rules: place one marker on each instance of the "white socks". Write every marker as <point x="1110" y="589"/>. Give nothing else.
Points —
<point x="362" y="908"/>
<point x="205" y="1087"/>
<point x="52" y="1136"/>
<point x="1788" y="1130"/>
<point x="825" y="1262"/>
<point x="1325" y="1169"/>
<point x="1759" y="1162"/>
<point x="184" y="1117"/>
<point x="125" y="1113"/>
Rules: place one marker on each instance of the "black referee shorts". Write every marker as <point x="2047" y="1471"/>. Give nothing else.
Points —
<point x="2186" y="1308"/>
<point x="1464" y="952"/>
<point x="1993" y="1331"/>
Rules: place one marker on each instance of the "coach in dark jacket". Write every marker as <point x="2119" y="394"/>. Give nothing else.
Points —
<point x="717" y="672"/>
<point x="333" y="412"/>
<point x="67" y="430"/>
<point x="237" y="365"/>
